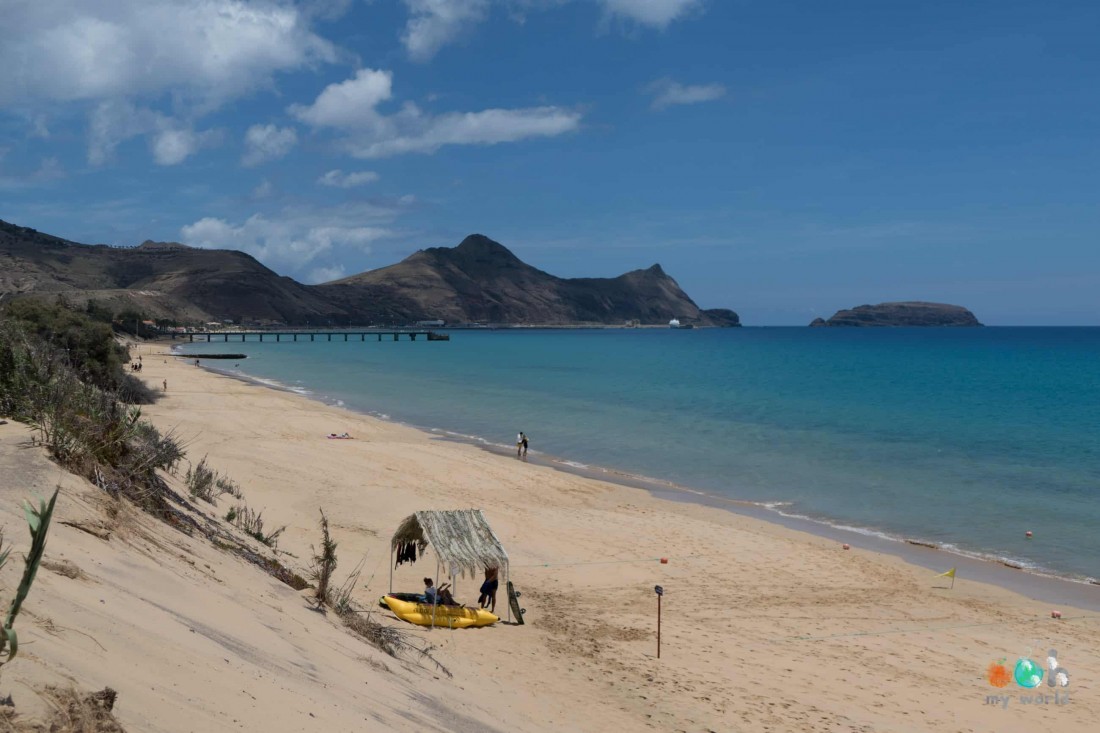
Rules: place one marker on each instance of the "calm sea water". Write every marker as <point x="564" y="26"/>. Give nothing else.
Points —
<point x="966" y="437"/>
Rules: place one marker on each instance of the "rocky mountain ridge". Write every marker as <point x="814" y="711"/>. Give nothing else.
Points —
<point x="482" y="281"/>
<point x="478" y="281"/>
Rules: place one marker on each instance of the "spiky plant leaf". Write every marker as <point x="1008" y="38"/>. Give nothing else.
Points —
<point x="38" y="520"/>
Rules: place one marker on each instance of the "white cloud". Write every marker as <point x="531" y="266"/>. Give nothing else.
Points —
<point x="267" y="142"/>
<point x="141" y="55"/>
<point x="667" y="92"/>
<point x="170" y="141"/>
<point x="435" y="23"/>
<point x="299" y="240"/>
<point x="348" y="103"/>
<point x="264" y="189"/>
<point x="655" y="13"/>
<point x="351" y="106"/>
<point x="414" y="132"/>
<point x="338" y="179"/>
<point x="172" y="146"/>
<point x="49" y="169"/>
<point x="209" y="50"/>
<point x="325" y="274"/>
<point x="39" y="127"/>
<point x="325" y="9"/>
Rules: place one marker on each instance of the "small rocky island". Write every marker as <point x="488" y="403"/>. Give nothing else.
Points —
<point x="912" y="313"/>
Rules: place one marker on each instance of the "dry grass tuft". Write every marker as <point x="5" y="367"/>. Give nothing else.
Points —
<point x="64" y="567"/>
<point x="324" y="564"/>
<point x="395" y="642"/>
<point x="251" y="523"/>
<point x="207" y="484"/>
<point x="72" y="713"/>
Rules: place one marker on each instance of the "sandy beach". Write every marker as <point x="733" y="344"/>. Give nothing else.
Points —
<point x="765" y="627"/>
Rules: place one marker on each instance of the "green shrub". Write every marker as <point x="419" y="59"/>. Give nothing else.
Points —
<point x="87" y="428"/>
<point x="87" y="345"/>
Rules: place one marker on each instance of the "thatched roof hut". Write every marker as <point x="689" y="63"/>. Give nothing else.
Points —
<point x="461" y="538"/>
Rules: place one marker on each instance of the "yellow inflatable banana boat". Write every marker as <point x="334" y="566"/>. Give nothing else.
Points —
<point x="447" y="617"/>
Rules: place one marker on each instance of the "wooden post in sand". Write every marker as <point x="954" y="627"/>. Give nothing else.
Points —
<point x="660" y="592"/>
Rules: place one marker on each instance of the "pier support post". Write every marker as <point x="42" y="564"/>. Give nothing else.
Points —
<point x="295" y="337"/>
<point x="395" y="336"/>
<point x="311" y="337"/>
<point x="412" y="337"/>
<point x="207" y="338"/>
<point x="379" y="337"/>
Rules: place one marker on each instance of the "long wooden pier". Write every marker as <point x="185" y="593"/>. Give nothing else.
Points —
<point x="313" y="335"/>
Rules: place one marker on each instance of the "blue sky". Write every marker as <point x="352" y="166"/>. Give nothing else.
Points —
<point x="782" y="159"/>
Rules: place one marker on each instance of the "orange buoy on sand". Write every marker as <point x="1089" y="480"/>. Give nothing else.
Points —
<point x="1056" y="614"/>
<point x="846" y="546"/>
<point x="664" y="561"/>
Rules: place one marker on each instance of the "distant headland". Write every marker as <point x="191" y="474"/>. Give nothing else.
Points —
<point x="907" y="313"/>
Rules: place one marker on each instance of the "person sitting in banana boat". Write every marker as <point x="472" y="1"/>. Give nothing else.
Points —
<point x="438" y="596"/>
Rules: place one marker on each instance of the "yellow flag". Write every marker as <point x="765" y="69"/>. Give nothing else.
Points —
<point x="949" y="574"/>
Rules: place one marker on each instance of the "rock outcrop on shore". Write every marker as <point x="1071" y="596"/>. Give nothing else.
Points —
<point x="906" y="313"/>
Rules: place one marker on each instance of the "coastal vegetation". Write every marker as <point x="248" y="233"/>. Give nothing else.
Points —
<point x="395" y="642"/>
<point x="84" y="341"/>
<point x="207" y="484"/>
<point x="61" y="373"/>
<point x="251" y="523"/>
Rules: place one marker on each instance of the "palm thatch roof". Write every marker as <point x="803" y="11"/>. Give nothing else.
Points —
<point x="462" y="539"/>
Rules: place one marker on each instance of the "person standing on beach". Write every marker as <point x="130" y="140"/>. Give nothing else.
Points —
<point x="488" y="597"/>
<point x="165" y="385"/>
<point x="519" y="443"/>
<point x="524" y="441"/>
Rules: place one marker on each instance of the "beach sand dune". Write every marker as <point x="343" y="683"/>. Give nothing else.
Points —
<point x="764" y="628"/>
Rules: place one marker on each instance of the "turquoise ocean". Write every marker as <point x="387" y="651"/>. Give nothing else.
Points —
<point x="963" y="437"/>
